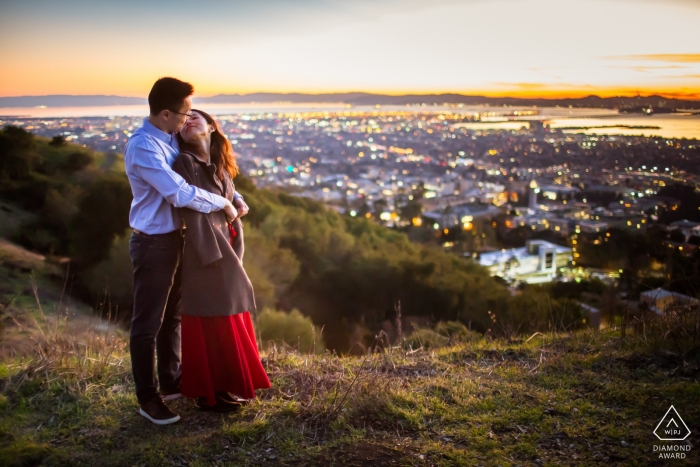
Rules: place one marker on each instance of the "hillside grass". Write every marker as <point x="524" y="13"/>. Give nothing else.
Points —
<point x="33" y="292"/>
<point x="586" y="398"/>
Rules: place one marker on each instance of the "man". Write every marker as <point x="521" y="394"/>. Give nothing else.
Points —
<point x="156" y="245"/>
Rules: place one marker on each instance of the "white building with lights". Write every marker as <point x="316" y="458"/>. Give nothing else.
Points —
<point x="537" y="262"/>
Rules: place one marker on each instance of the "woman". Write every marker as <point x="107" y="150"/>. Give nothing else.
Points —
<point x="220" y="361"/>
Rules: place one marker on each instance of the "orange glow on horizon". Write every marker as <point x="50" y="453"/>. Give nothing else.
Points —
<point x="553" y="93"/>
<point x="139" y="87"/>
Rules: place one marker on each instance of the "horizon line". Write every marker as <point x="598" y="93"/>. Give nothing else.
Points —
<point x="516" y="95"/>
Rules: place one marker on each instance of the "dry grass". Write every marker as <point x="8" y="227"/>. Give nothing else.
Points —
<point x="583" y="398"/>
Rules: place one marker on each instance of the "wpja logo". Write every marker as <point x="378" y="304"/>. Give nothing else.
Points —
<point x="672" y="428"/>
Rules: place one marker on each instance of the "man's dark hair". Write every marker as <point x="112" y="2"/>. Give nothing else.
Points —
<point x="168" y="94"/>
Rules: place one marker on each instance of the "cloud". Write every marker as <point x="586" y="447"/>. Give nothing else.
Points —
<point x="685" y="76"/>
<point x="540" y="86"/>
<point x="649" y="69"/>
<point x="524" y="85"/>
<point x="671" y="58"/>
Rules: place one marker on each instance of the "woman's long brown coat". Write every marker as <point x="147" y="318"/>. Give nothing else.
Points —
<point x="214" y="282"/>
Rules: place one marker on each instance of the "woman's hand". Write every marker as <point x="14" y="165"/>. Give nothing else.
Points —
<point x="241" y="206"/>
<point x="230" y="211"/>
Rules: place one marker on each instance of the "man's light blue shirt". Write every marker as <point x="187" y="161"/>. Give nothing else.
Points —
<point x="149" y="156"/>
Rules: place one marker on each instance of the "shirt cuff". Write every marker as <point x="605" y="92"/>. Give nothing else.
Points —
<point x="219" y="201"/>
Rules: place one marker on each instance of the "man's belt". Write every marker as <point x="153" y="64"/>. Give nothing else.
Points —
<point x="138" y="232"/>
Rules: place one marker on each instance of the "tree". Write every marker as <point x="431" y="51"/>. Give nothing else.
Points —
<point x="380" y="205"/>
<point x="76" y="161"/>
<point x="419" y="191"/>
<point x="103" y="214"/>
<point x="17" y="156"/>
<point x="411" y="210"/>
<point x="58" y="141"/>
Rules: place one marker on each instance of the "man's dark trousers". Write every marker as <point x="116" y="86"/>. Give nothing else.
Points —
<point x="155" y="325"/>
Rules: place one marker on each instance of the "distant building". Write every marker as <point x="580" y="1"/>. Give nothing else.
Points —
<point x="534" y="263"/>
<point x="685" y="226"/>
<point x="534" y="189"/>
<point x="591" y="227"/>
<point x="462" y="214"/>
<point x="560" y="192"/>
<point x="537" y="221"/>
<point x="683" y="236"/>
<point x="661" y="300"/>
<point x="562" y="226"/>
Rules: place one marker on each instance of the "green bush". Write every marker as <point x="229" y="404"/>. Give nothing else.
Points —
<point x="291" y="328"/>
<point x="76" y="161"/>
<point x="103" y="213"/>
<point x="456" y="331"/>
<point x="270" y="268"/>
<point x="446" y="333"/>
<point x="17" y="153"/>
<point x="533" y="310"/>
<point x="426" y="338"/>
<point x="111" y="279"/>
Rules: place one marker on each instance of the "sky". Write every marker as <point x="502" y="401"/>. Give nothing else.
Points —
<point x="522" y="48"/>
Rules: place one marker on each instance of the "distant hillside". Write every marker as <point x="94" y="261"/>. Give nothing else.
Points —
<point x="359" y="98"/>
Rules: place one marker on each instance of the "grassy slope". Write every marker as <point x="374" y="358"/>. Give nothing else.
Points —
<point x="20" y="271"/>
<point x="580" y="399"/>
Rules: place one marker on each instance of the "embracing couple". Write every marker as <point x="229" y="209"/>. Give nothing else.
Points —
<point x="191" y="293"/>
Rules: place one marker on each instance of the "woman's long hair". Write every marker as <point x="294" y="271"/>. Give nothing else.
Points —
<point x="221" y="151"/>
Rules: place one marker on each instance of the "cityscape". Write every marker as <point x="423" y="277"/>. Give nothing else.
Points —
<point x="471" y="191"/>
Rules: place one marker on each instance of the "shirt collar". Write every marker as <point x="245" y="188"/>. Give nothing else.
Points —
<point x="149" y="128"/>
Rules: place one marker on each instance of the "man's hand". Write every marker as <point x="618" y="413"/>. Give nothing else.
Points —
<point x="241" y="206"/>
<point x="230" y="211"/>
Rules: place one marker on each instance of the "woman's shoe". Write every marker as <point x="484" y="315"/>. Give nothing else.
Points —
<point x="221" y="405"/>
<point x="228" y="397"/>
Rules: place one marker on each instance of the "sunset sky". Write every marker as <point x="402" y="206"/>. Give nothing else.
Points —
<point x="546" y="48"/>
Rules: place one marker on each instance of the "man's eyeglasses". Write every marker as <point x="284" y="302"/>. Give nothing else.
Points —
<point x="188" y="115"/>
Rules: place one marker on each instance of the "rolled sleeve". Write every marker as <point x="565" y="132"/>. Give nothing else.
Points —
<point x="154" y="170"/>
<point x="204" y="201"/>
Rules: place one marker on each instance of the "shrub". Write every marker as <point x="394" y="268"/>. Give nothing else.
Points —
<point x="270" y="268"/>
<point x="535" y="310"/>
<point x="111" y="279"/>
<point x="17" y="155"/>
<point x="103" y="213"/>
<point x="76" y="161"/>
<point x="291" y="328"/>
<point x="446" y="333"/>
<point x="426" y="338"/>
<point x="456" y="331"/>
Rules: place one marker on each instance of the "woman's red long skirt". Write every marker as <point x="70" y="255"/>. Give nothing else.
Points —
<point x="220" y="353"/>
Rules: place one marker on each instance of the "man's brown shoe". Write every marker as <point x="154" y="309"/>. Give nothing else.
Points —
<point x="159" y="413"/>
